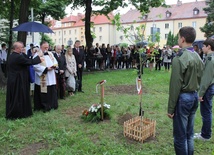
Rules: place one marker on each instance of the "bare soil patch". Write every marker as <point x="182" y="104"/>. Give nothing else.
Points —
<point x="75" y="112"/>
<point x="124" y="118"/>
<point x="123" y="89"/>
<point x="33" y="149"/>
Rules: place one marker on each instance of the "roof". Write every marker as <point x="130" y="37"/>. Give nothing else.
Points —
<point x="182" y="11"/>
<point x="78" y="20"/>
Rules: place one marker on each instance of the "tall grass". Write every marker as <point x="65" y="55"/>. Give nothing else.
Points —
<point x="63" y="132"/>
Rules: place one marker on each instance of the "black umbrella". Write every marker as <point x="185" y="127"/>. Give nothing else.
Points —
<point x="32" y="27"/>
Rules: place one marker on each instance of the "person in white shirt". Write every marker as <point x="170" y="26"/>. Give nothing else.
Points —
<point x="45" y="93"/>
<point x="3" y="57"/>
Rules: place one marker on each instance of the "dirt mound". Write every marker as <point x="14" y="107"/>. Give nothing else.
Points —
<point x="33" y="149"/>
<point x="123" y="89"/>
<point x="124" y="118"/>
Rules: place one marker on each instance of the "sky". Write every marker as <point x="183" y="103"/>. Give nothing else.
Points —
<point x="122" y="10"/>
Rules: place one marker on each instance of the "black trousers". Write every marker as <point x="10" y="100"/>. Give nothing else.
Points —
<point x="79" y="76"/>
<point x="45" y="101"/>
<point x="158" y="65"/>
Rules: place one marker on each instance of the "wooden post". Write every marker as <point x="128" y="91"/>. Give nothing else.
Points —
<point x="102" y="101"/>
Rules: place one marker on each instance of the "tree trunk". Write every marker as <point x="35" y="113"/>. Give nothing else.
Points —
<point x="11" y="33"/>
<point x="43" y="22"/>
<point x="88" y="36"/>
<point x="23" y="17"/>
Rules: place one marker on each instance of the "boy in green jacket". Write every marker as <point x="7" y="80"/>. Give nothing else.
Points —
<point x="187" y="68"/>
<point x="206" y="91"/>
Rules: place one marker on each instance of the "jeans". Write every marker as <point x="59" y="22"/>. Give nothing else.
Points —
<point x="183" y="123"/>
<point x="206" y="113"/>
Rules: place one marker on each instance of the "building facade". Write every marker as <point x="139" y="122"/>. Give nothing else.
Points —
<point x="159" y="19"/>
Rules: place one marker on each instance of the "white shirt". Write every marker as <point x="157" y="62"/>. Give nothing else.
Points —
<point x="3" y="55"/>
<point x="39" y="69"/>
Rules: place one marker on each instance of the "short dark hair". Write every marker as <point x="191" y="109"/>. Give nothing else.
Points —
<point x="3" y="45"/>
<point x="31" y="45"/>
<point x="77" y="41"/>
<point x="188" y="33"/>
<point x="210" y="42"/>
<point x="43" y="42"/>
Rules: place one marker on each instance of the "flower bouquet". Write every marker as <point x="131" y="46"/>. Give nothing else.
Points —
<point x="93" y="114"/>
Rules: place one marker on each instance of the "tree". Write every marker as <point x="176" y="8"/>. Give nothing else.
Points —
<point x="53" y="8"/>
<point x="170" y="38"/>
<point x="107" y="7"/>
<point x="48" y="39"/>
<point x="23" y="17"/>
<point x="208" y="28"/>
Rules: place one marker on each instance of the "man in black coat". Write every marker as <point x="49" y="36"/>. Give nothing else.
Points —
<point x="79" y="56"/>
<point x="60" y="72"/>
<point x="18" y="102"/>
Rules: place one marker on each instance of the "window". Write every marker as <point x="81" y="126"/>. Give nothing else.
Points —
<point x="82" y="37"/>
<point x="64" y="32"/>
<point x="100" y="29"/>
<point x="195" y="11"/>
<point x="194" y="24"/>
<point x="59" y="33"/>
<point x="168" y="14"/>
<point x="179" y="25"/>
<point x="94" y="29"/>
<point x="75" y="31"/>
<point x="166" y="25"/>
<point x="81" y="33"/>
<point x="59" y="40"/>
<point x="145" y="17"/>
<point x="154" y="25"/>
<point x="100" y="38"/>
<point x="75" y="38"/>
<point x="69" y="31"/>
<point x="64" y="40"/>
<point x="55" y="40"/>
<point x="166" y="36"/>
<point x="65" y="25"/>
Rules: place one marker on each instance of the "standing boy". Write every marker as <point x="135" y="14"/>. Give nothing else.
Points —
<point x="186" y="74"/>
<point x="206" y="91"/>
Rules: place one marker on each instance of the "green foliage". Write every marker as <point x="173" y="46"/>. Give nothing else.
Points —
<point x="208" y="28"/>
<point x="4" y="31"/>
<point x="92" y="32"/>
<point x="47" y="39"/>
<point x="54" y="8"/>
<point x="172" y="40"/>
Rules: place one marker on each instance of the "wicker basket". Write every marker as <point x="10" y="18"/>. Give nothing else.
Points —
<point x="138" y="130"/>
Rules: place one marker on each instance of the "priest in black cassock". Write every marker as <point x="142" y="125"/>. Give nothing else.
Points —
<point x="18" y="103"/>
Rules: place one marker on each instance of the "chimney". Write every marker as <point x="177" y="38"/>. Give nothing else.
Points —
<point x="179" y="3"/>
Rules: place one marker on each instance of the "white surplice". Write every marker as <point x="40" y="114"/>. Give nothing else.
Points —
<point x="39" y="69"/>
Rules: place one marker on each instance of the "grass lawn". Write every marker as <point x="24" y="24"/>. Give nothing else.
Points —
<point x="63" y="132"/>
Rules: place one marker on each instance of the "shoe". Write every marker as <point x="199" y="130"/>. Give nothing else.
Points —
<point x="81" y="91"/>
<point x="198" y="136"/>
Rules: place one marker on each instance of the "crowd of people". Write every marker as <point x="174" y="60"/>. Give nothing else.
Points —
<point x="57" y="70"/>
